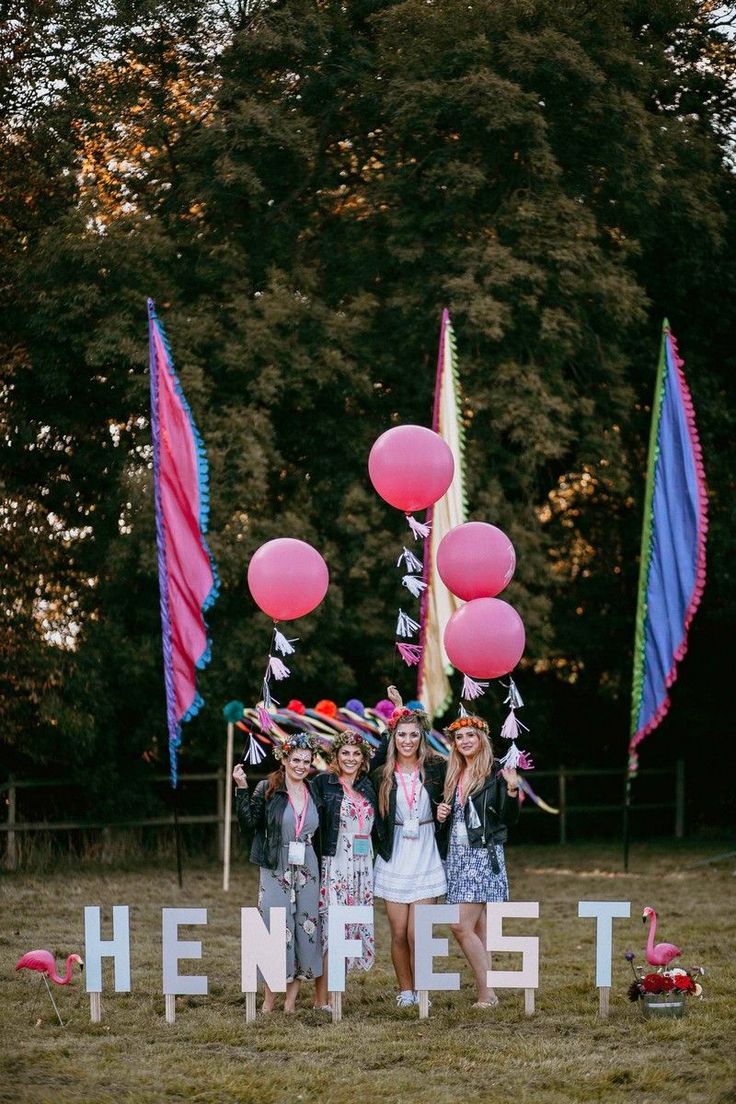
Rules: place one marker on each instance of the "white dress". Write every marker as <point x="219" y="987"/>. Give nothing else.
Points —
<point x="414" y="871"/>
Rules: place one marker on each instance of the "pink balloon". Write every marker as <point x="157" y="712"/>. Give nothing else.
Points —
<point x="287" y="578"/>
<point x="411" y="467"/>
<point x="485" y="638"/>
<point x="476" y="560"/>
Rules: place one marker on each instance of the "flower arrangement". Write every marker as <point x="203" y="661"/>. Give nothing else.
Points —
<point x="674" y="980"/>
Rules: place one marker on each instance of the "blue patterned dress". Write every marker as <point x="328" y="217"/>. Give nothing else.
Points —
<point x="470" y="878"/>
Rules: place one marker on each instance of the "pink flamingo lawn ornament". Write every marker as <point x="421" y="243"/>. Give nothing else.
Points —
<point x="660" y="954"/>
<point x="45" y="963"/>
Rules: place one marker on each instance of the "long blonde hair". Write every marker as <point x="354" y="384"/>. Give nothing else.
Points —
<point x="477" y="770"/>
<point x="387" y="773"/>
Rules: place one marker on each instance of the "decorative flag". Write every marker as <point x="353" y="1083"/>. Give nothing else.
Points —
<point x="188" y="581"/>
<point x="438" y="604"/>
<point x="672" y="572"/>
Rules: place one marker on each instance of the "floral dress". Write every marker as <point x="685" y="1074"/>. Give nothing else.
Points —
<point x="470" y="877"/>
<point x="347" y="879"/>
<point x="296" y="888"/>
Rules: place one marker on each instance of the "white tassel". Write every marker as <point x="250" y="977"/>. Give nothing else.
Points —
<point x="462" y="711"/>
<point x="510" y="760"/>
<point x="278" y="669"/>
<point x="412" y="563"/>
<point x="473" y="689"/>
<point x="414" y="585"/>
<point x="513" y="698"/>
<point x="405" y="625"/>
<point x="281" y="644"/>
<point x="418" y="528"/>
<point x="255" y="752"/>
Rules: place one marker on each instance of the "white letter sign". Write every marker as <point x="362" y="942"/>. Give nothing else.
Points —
<point x="264" y="950"/>
<point x="174" y="949"/>
<point x="96" y="948"/>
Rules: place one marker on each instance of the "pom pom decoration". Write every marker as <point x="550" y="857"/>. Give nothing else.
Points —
<point x="233" y="711"/>
<point x="326" y="707"/>
<point x="354" y="705"/>
<point x="295" y="706"/>
<point x="476" y="560"/>
<point x="384" y="708"/>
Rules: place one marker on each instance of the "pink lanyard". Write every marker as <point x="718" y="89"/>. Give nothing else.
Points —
<point x="359" y="802"/>
<point x="409" y="800"/>
<point x="299" y="818"/>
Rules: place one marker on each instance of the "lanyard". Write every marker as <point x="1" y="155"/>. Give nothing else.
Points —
<point x="299" y="818"/>
<point x="359" y="802"/>
<point x="414" y="778"/>
<point x="460" y="788"/>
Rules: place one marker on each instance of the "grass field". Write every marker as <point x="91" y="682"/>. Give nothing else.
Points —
<point x="563" y="1053"/>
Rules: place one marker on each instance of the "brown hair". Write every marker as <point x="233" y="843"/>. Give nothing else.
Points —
<point x="276" y="780"/>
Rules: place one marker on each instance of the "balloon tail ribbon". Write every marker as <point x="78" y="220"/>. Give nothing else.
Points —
<point x="472" y="689"/>
<point x="410" y="653"/>
<point x="419" y="530"/>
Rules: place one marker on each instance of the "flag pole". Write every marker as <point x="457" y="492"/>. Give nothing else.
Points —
<point x="637" y="678"/>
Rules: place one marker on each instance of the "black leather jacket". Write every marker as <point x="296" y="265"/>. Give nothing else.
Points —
<point x="266" y="816"/>
<point x="328" y="793"/>
<point x="383" y="829"/>
<point x="496" y="812"/>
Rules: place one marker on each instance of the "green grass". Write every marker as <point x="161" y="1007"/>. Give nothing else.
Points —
<point x="562" y="1054"/>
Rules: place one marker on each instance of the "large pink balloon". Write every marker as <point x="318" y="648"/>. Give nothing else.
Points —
<point x="485" y="638"/>
<point x="411" y="467"/>
<point x="287" y="578"/>
<point x="476" y="560"/>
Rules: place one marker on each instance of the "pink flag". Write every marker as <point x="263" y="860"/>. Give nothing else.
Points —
<point x="188" y="582"/>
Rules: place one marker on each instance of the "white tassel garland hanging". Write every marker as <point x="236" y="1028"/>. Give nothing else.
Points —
<point x="472" y="689"/>
<point x="278" y="669"/>
<point x="410" y="560"/>
<point x="418" y="528"/>
<point x="405" y="625"/>
<point x="414" y="585"/>
<point x="282" y="645"/>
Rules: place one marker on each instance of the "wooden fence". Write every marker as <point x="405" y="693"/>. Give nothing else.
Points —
<point x="673" y="776"/>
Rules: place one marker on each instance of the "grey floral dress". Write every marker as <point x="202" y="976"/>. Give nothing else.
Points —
<point x="296" y="888"/>
<point x="470" y="877"/>
<point x="347" y="879"/>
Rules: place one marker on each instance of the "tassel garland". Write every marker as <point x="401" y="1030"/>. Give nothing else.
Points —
<point x="405" y="625"/>
<point x="410" y="653"/>
<point x="282" y="645"/>
<point x="472" y="689"/>
<point x="512" y="726"/>
<point x="414" y="585"/>
<point x="278" y="669"/>
<point x="419" y="530"/>
<point x="410" y="560"/>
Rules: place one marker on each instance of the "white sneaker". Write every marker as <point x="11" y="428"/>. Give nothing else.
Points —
<point x="415" y="995"/>
<point x="405" y="999"/>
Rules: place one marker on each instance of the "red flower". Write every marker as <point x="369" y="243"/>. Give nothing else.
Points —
<point x="685" y="982"/>
<point x="657" y="983"/>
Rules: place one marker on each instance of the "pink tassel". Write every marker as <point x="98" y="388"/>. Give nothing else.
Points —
<point x="473" y="689"/>
<point x="278" y="669"/>
<point x="516" y="758"/>
<point x="512" y="726"/>
<point x="410" y="653"/>
<point x="264" y="719"/>
<point x="525" y="761"/>
<point x="418" y="528"/>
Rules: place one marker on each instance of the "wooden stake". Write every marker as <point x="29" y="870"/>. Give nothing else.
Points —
<point x="228" y="808"/>
<point x="423" y="1004"/>
<point x="170" y="1002"/>
<point x="250" y="1007"/>
<point x="336" y="1001"/>
<point x="529" y="1002"/>
<point x="605" y="992"/>
<point x="95" y="1008"/>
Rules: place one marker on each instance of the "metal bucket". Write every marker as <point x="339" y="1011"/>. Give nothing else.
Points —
<point x="664" y="1005"/>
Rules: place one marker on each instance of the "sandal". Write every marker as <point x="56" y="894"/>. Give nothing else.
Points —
<point x="486" y="1004"/>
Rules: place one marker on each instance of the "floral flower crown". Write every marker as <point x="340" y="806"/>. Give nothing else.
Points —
<point x="404" y="714"/>
<point x="298" y="741"/>
<point x="468" y="722"/>
<point x="351" y="738"/>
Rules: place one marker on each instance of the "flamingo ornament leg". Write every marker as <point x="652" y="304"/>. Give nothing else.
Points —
<point x="51" y="995"/>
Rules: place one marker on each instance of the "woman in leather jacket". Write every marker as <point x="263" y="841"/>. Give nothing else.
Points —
<point x="478" y="806"/>
<point x="283" y="812"/>
<point x="347" y="806"/>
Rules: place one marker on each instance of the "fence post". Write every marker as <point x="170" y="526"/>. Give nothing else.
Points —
<point x="562" y="803"/>
<point x="679" y="798"/>
<point x="220" y="826"/>
<point x="11" y="852"/>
